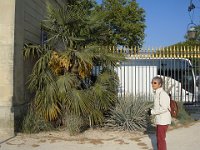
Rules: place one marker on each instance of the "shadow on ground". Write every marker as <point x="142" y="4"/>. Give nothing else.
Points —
<point x="151" y="132"/>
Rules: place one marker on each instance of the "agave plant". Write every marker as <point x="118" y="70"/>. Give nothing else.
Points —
<point x="129" y="113"/>
<point x="60" y="77"/>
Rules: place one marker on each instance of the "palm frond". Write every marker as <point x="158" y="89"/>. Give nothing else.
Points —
<point x="108" y="78"/>
<point x="66" y="82"/>
<point x="32" y="51"/>
<point x="64" y="24"/>
<point x="41" y="75"/>
<point x="103" y="98"/>
<point x="107" y="57"/>
<point x="42" y="63"/>
<point x="86" y="56"/>
<point x="39" y="81"/>
<point x="78" y="102"/>
<point x="47" y="104"/>
<point x="104" y="90"/>
<point x="96" y="117"/>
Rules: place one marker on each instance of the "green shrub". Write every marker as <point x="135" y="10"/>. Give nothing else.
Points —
<point x="129" y="113"/>
<point x="33" y="123"/>
<point x="74" y="124"/>
<point x="183" y="115"/>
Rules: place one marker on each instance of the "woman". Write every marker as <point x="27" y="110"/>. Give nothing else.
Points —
<point x="161" y="110"/>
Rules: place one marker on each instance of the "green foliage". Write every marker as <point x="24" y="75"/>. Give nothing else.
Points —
<point x="59" y="74"/>
<point x="183" y="115"/>
<point x="125" y="20"/>
<point x="74" y="124"/>
<point x="188" y="43"/>
<point x="32" y="50"/>
<point x="78" y="39"/>
<point x="129" y="113"/>
<point x="35" y="123"/>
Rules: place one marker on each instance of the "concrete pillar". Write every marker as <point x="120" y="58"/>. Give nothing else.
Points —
<point x="7" y="23"/>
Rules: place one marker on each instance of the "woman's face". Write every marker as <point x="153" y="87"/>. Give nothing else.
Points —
<point x="155" y="84"/>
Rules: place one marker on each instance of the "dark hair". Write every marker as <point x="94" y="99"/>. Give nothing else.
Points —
<point x="158" y="79"/>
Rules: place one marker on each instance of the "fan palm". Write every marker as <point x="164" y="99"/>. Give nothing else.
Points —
<point x="61" y="76"/>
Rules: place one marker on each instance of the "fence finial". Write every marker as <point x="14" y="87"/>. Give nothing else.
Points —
<point x="135" y="51"/>
<point x="184" y="52"/>
<point x="149" y="52"/>
<point x="154" y="53"/>
<point x="181" y="52"/>
<point x="198" y="52"/>
<point x="174" y="51"/>
<point x="170" y="52"/>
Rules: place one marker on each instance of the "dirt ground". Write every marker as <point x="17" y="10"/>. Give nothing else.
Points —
<point x="178" y="138"/>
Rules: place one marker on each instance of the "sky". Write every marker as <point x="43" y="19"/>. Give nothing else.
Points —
<point x="167" y="21"/>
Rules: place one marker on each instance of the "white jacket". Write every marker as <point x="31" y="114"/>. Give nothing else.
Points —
<point x="161" y="107"/>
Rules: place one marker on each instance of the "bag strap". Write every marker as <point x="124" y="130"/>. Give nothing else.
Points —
<point x="169" y="104"/>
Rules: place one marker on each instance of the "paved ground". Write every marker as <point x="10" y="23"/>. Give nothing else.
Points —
<point x="183" y="138"/>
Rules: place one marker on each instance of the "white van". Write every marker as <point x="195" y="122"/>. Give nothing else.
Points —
<point x="135" y="75"/>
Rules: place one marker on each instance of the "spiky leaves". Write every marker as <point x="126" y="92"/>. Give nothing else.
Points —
<point x="129" y="114"/>
<point x="67" y="25"/>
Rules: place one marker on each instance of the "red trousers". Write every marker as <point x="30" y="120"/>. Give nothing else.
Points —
<point x="160" y="135"/>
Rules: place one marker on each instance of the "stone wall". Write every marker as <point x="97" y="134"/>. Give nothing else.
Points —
<point x="20" y="23"/>
<point x="7" y="15"/>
